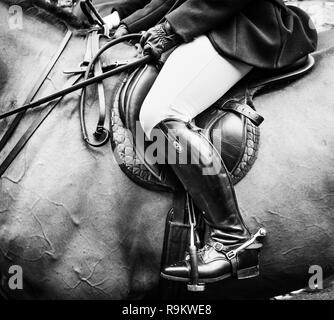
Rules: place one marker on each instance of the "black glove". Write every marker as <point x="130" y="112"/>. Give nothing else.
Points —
<point x="121" y="31"/>
<point x="159" y="39"/>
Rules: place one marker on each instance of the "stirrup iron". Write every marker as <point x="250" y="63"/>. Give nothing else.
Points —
<point x="193" y="285"/>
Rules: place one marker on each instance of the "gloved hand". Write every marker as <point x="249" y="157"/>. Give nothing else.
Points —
<point x="122" y="30"/>
<point x="159" y="39"/>
<point x="112" y="20"/>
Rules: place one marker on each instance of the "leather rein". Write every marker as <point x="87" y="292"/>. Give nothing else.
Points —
<point x="92" y="72"/>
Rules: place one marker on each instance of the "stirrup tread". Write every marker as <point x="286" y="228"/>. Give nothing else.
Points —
<point x="248" y="273"/>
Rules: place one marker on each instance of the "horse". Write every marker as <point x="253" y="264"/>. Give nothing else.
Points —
<point x="81" y="229"/>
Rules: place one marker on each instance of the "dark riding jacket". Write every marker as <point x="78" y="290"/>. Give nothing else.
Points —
<point x="127" y="7"/>
<point x="262" y="33"/>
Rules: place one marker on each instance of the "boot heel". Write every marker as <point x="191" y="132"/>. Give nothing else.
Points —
<point x="248" y="273"/>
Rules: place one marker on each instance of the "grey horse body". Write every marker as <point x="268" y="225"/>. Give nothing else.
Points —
<point x="81" y="229"/>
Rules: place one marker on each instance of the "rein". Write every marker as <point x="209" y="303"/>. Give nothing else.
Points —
<point x="35" y="90"/>
<point x="89" y="81"/>
<point x="42" y="116"/>
<point x="93" y="52"/>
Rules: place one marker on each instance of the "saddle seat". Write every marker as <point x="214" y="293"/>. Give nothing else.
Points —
<point x="227" y="123"/>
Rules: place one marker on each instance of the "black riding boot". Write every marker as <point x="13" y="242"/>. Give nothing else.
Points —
<point x="203" y="174"/>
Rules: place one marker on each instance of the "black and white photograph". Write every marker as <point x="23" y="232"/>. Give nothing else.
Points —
<point x="168" y="155"/>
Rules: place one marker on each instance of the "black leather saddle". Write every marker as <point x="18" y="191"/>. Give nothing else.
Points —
<point x="231" y="123"/>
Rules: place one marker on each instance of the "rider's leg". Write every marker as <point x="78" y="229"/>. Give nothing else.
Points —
<point x="193" y="78"/>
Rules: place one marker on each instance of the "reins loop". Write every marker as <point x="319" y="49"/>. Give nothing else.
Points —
<point x="101" y="133"/>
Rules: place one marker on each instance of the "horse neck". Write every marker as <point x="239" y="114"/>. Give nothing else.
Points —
<point x="26" y="46"/>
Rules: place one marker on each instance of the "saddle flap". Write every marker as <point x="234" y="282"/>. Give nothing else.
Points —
<point x="228" y="136"/>
<point x="134" y="92"/>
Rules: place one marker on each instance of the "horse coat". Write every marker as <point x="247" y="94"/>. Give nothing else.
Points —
<point x="262" y="33"/>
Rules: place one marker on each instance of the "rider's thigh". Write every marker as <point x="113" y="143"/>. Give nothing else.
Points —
<point x="192" y="79"/>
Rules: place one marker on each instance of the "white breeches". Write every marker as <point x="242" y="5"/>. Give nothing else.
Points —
<point x="194" y="77"/>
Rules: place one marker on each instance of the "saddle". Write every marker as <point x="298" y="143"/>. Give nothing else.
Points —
<point x="231" y="123"/>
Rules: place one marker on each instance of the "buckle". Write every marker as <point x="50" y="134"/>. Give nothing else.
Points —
<point x="231" y="255"/>
<point x="218" y="246"/>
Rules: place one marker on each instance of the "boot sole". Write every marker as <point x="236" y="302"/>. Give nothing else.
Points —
<point x="246" y="273"/>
